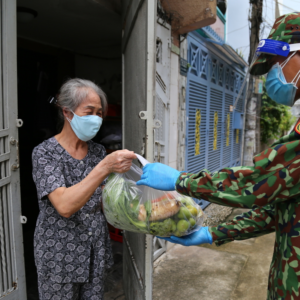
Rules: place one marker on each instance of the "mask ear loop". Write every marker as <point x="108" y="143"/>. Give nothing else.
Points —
<point x="287" y="60"/>
<point x="68" y="118"/>
<point x="296" y="79"/>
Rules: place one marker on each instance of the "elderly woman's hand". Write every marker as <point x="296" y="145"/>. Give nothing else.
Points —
<point x="118" y="161"/>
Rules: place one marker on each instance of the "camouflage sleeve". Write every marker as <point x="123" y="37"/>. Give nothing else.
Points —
<point x="275" y="177"/>
<point x="254" y="223"/>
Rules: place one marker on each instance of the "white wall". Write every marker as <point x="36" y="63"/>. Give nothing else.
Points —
<point x="176" y="129"/>
<point x="182" y="112"/>
<point x="174" y="105"/>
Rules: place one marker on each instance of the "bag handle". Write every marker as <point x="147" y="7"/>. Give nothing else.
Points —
<point x="142" y="160"/>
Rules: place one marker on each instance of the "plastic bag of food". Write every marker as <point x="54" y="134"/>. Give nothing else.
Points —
<point x="145" y="210"/>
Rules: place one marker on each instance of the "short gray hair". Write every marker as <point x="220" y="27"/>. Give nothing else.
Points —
<point x="74" y="91"/>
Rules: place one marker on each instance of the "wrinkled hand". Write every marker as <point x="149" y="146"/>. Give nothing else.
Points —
<point x="118" y="161"/>
<point x="201" y="236"/>
<point x="159" y="176"/>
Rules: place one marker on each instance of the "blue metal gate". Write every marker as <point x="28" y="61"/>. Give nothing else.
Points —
<point x="212" y="86"/>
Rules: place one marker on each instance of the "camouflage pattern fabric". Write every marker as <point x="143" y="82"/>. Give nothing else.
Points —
<point x="271" y="188"/>
<point x="286" y="29"/>
<point x="254" y="223"/>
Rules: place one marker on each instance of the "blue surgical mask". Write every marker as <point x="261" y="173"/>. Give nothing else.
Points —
<point x="85" y="127"/>
<point x="278" y="88"/>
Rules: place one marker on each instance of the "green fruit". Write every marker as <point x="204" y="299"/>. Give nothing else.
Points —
<point x="184" y="202"/>
<point x="192" y="222"/>
<point x="177" y="233"/>
<point x="184" y="213"/>
<point x="187" y="201"/>
<point x="174" y="226"/>
<point x="183" y="225"/>
<point x="180" y="214"/>
<point x="193" y="210"/>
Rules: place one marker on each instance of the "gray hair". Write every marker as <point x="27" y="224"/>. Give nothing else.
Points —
<point x="74" y="91"/>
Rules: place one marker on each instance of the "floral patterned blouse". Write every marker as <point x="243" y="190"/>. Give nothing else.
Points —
<point x="62" y="246"/>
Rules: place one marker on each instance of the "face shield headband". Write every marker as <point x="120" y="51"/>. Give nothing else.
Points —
<point x="273" y="47"/>
<point x="278" y="88"/>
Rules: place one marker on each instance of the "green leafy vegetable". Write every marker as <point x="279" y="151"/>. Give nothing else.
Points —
<point x="125" y="209"/>
<point x="164" y="228"/>
<point x="122" y="205"/>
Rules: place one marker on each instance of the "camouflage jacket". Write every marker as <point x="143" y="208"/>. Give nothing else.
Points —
<point x="271" y="189"/>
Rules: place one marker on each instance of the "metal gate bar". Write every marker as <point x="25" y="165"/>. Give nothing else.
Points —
<point x="1" y="75"/>
<point x="3" y="283"/>
<point x="6" y="236"/>
<point x="4" y="69"/>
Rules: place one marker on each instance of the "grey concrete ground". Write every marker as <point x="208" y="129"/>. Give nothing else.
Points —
<point x="235" y="271"/>
<point x="216" y="214"/>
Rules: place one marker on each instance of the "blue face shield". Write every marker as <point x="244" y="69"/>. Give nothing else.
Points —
<point x="85" y="127"/>
<point x="278" y="88"/>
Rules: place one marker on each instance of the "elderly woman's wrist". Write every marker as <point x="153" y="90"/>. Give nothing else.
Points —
<point x="103" y="169"/>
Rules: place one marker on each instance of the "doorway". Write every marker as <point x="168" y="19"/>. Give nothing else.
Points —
<point x="66" y="39"/>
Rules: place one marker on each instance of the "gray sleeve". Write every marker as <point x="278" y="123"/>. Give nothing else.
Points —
<point x="46" y="172"/>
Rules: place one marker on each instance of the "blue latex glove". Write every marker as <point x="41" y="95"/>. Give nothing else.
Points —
<point x="201" y="236"/>
<point x="159" y="176"/>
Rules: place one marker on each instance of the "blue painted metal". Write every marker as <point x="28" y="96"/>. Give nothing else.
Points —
<point x="212" y="86"/>
<point x="212" y="34"/>
<point x="197" y="95"/>
<point x="201" y="202"/>
<point x="237" y="120"/>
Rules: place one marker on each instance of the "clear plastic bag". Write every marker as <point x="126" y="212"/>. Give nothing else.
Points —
<point x="145" y="210"/>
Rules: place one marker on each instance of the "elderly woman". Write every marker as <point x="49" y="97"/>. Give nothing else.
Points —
<point x="71" y="241"/>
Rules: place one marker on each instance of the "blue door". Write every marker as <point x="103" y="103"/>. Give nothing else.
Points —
<point x="197" y="105"/>
<point x="212" y="142"/>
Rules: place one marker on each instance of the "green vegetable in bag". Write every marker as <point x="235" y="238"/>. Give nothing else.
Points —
<point x="145" y="210"/>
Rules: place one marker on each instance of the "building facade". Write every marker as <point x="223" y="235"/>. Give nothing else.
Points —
<point x="131" y="48"/>
<point x="210" y="116"/>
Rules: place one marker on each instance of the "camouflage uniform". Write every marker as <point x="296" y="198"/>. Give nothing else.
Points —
<point x="272" y="189"/>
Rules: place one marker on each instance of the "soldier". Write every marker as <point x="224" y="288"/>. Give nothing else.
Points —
<point x="271" y="188"/>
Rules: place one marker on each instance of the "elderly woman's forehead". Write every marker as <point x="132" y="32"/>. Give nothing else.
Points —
<point x="91" y="96"/>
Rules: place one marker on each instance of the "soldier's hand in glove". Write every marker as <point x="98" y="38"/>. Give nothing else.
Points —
<point x="159" y="176"/>
<point x="201" y="236"/>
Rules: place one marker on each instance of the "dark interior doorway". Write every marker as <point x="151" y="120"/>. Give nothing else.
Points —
<point x="66" y="39"/>
<point x="37" y="80"/>
<point x="41" y="71"/>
